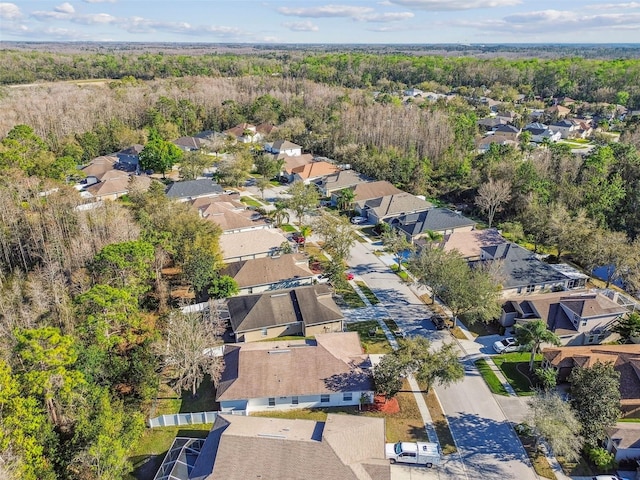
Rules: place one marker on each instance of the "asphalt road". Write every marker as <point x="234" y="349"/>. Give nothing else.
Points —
<point x="488" y="447"/>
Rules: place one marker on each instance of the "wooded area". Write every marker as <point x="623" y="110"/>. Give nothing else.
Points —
<point x="83" y="302"/>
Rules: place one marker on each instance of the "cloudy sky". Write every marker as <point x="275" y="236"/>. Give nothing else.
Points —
<point x="333" y="21"/>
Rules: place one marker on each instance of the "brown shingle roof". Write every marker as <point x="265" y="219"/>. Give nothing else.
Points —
<point x="330" y="364"/>
<point x="468" y="244"/>
<point x="245" y="244"/>
<point x="625" y="435"/>
<point x="625" y="358"/>
<point x="366" y="191"/>
<point x="345" y="447"/>
<point x="238" y="130"/>
<point x="293" y="162"/>
<point x="268" y="270"/>
<point x="100" y="165"/>
<point x="399" y="203"/>
<point x="314" y="169"/>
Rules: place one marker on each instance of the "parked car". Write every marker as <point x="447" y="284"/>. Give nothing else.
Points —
<point x="349" y="276"/>
<point x="507" y="345"/>
<point x="321" y="278"/>
<point x="231" y="192"/>
<point x="358" y="220"/>
<point x="608" y="477"/>
<point x="418" y="453"/>
<point x="298" y="238"/>
<point x="438" y="322"/>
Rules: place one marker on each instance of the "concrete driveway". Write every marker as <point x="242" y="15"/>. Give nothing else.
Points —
<point x="488" y="446"/>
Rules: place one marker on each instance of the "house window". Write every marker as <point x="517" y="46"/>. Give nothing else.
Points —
<point x="347" y="396"/>
<point x="272" y="402"/>
<point x="265" y="332"/>
<point x="531" y="288"/>
<point x="324" y="398"/>
<point x="294" y="400"/>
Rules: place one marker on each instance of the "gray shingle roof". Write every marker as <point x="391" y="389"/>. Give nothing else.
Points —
<point x="521" y="267"/>
<point x="312" y="305"/>
<point x="434" y="219"/>
<point x="193" y="188"/>
<point x="345" y="447"/>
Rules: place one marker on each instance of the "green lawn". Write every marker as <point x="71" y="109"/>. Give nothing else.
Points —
<point x="168" y="402"/>
<point x="493" y="382"/>
<point x="147" y="455"/>
<point x="368" y="293"/>
<point x="402" y="274"/>
<point x="287" y="228"/>
<point x="349" y="297"/>
<point x="372" y="337"/>
<point x="515" y="366"/>
<point x="252" y="202"/>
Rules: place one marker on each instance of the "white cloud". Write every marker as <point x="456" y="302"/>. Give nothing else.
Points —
<point x="325" y="11"/>
<point x="386" y="17"/>
<point x="364" y="14"/>
<point x="447" y="5"/>
<point x="614" y="6"/>
<point x="9" y="11"/>
<point x="301" y="26"/>
<point x="66" y="7"/>
<point x="553" y="21"/>
<point x="99" y="1"/>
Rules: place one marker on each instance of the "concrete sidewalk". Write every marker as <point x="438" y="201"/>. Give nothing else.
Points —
<point x="417" y="393"/>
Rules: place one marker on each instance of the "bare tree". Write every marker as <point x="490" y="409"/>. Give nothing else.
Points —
<point x="492" y="195"/>
<point x="189" y="351"/>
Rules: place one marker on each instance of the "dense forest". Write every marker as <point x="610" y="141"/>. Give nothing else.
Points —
<point x="83" y="300"/>
<point x="598" y="80"/>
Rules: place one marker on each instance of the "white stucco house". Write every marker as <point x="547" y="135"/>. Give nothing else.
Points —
<point x="329" y="371"/>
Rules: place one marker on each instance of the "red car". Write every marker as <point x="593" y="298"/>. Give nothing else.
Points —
<point x="349" y="276"/>
<point x="296" y="237"/>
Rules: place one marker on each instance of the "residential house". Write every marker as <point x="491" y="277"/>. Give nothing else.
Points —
<point x="130" y="156"/>
<point x="572" y="128"/>
<point x="340" y="180"/>
<point x="381" y="208"/>
<point x="345" y="447"/>
<point x="290" y="163"/>
<point x="508" y="117"/>
<point x="507" y="132"/>
<point x="266" y="128"/>
<point x="578" y="319"/>
<point x="566" y="101"/>
<point x="305" y="310"/>
<point x="270" y="273"/>
<point x="189" y="144"/>
<point x="191" y="189"/>
<point x="541" y="133"/>
<point x="310" y="172"/>
<point x="413" y="92"/>
<point x="558" y="111"/>
<point x="491" y="123"/>
<point x="98" y="167"/>
<point x="284" y="147"/>
<point x="485" y="143"/>
<point x="367" y="191"/>
<point x="244" y="133"/>
<point x="625" y="360"/>
<point x="230" y="215"/>
<point x="469" y="244"/>
<point x="116" y="183"/>
<point x="623" y="441"/>
<point x="329" y="371"/>
<point x="416" y="226"/>
<point x="494" y="105"/>
<point x="211" y="140"/>
<point x="248" y="245"/>
<point x="524" y="273"/>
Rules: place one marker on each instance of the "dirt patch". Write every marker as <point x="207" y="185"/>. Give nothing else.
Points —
<point x="381" y="404"/>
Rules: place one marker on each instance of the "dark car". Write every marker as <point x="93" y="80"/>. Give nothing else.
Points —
<point x="438" y="322"/>
<point x="298" y="238"/>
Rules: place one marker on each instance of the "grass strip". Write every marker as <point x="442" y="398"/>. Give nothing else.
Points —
<point x="490" y="378"/>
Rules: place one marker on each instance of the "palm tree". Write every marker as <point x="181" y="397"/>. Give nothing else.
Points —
<point x="305" y="231"/>
<point x="432" y="237"/>
<point x="532" y="334"/>
<point x="346" y="198"/>
<point x="280" y="214"/>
